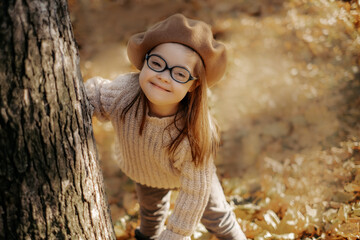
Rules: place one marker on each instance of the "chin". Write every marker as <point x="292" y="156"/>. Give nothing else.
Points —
<point x="154" y="100"/>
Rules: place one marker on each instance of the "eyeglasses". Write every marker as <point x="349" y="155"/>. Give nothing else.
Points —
<point x="177" y="73"/>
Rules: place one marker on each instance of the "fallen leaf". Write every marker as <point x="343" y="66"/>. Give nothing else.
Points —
<point x="352" y="187"/>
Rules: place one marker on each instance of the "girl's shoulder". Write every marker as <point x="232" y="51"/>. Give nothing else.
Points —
<point x="122" y="88"/>
<point x="110" y="96"/>
<point x="126" y="82"/>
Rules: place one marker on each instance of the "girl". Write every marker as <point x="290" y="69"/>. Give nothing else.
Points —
<point x="166" y="137"/>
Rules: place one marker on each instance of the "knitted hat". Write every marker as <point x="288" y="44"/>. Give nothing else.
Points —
<point x="179" y="29"/>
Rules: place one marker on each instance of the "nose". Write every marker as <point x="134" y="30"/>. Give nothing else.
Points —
<point x="164" y="76"/>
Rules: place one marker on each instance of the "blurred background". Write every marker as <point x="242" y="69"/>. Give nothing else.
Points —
<point x="288" y="108"/>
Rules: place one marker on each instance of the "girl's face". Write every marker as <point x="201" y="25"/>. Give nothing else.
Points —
<point x="163" y="93"/>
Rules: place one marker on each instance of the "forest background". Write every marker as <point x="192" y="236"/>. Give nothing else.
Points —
<point x="288" y="108"/>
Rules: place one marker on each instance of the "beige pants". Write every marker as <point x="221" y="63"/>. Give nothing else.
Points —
<point x="218" y="217"/>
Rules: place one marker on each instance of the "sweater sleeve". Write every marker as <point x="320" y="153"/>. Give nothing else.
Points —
<point x="192" y="199"/>
<point x="93" y="87"/>
<point x="105" y="96"/>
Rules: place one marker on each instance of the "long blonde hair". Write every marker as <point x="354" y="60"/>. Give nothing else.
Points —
<point x="193" y="113"/>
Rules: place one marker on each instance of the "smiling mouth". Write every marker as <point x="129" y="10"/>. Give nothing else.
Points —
<point x="157" y="86"/>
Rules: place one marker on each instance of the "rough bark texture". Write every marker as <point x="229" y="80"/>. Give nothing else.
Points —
<point x="51" y="186"/>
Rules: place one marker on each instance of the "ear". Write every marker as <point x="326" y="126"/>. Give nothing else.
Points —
<point x="194" y="86"/>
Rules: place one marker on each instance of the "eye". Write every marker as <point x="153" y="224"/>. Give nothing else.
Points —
<point x="155" y="64"/>
<point x="181" y="74"/>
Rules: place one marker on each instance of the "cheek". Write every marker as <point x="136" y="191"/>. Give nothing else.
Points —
<point x="182" y="91"/>
<point x="141" y="78"/>
<point x="144" y="74"/>
<point x="142" y="71"/>
<point x="190" y="86"/>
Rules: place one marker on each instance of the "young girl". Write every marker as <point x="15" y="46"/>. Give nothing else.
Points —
<point x="166" y="136"/>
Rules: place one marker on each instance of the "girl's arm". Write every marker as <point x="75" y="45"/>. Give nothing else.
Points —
<point x="106" y="96"/>
<point x="191" y="201"/>
<point x="93" y="89"/>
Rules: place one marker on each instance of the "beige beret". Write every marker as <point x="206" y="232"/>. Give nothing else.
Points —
<point x="179" y="29"/>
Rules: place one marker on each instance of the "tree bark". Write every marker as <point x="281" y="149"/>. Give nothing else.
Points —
<point x="51" y="186"/>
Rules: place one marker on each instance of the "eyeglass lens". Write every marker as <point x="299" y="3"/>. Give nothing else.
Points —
<point x="158" y="64"/>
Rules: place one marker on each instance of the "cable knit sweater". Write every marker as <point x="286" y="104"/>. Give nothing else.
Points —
<point x="145" y="158"/>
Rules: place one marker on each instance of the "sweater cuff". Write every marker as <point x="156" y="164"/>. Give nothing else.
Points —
<point x="167" y="234"/>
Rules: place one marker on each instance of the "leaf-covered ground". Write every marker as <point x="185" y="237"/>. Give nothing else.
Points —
<point x="289" y="109"/>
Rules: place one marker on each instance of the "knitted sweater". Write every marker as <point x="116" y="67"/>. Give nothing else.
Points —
<point x="145" y="158"/>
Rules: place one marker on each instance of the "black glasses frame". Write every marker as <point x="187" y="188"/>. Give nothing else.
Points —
<point x="147" y="56"/>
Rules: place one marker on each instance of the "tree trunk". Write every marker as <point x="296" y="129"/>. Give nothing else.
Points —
<point x="51" y="186"/>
